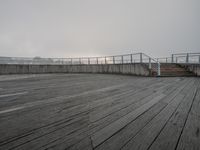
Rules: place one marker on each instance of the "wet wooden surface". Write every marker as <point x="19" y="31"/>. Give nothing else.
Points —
<point x="96" y="111"/>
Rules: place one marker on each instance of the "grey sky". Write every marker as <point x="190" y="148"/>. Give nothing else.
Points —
<point x="68" y="28"/>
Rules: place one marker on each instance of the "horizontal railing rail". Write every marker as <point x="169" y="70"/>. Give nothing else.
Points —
<point x="152" y="64"/>
<point x="193" y="58"/>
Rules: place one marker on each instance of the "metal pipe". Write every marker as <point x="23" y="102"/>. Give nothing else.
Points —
<point x="187" y="58"/>
<point x="199" y="58"/>
<point x="140" y="57"/>
<point x="149" y="63"/>
<point x="159" y="69"/>
<point x="131" y="58"/>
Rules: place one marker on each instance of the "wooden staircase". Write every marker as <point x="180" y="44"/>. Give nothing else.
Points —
<point x="174" y="70"/>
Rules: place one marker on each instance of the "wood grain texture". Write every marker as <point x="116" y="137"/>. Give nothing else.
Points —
<point x="96" y="111"/>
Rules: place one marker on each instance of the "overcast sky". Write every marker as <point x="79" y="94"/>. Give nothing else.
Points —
<point x="69" y="28"/>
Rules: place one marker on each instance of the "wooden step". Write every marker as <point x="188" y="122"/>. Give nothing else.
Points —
<point x="168" y="69"/>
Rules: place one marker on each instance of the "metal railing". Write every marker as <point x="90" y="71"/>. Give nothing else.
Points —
<point x="152" y="64"/>
<point x="192" y="58"/>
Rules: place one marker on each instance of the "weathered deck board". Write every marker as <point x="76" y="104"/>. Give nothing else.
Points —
<point x="121" y="138"/>
<point x="169" y="136"/>
<point x="190" y="137"/>
<point x="147" y="135"/>
<point x="69" y="113"/>
<point x="95" y="111"/>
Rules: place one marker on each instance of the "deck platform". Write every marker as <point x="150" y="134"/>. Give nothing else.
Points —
<point x="98" y="111"/>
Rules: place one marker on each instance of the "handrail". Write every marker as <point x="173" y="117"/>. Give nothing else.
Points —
<point x="116" y="59"/>
<point x="70" y="57"/>
<point x="181" y="58"/>
<point x="154" y="67"/>
<point x="186" y="53"/>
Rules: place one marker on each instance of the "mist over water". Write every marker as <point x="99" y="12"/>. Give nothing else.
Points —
<point x="74" y="28"/>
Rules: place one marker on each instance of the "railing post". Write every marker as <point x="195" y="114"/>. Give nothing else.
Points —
<point x="88" y="61"/>
<point x="149" y="63"/>
<point x="172" y="58"/>
<point x="113" y="59"/>
<point x="199" y="58"/>
<point x="131" y="58"/>
<point x="158" y="69"/>
<point x="122" y="60"/>
<point x="166" y="60"/>
<point x="97" y="61"/>
<point x="71" y="61"/>
<point x="79" y="60"/>
<point x="140" y="57"/>
<point x="187" y="58"/>
<point x="105" y="60"/>
<point x="176" y="59"/>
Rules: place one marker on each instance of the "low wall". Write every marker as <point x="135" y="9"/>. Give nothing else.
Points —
<point x="195" y="68"/>
<point x="133" y="69"/>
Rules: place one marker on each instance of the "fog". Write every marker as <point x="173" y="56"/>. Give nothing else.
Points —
<point x="74" y="28"/>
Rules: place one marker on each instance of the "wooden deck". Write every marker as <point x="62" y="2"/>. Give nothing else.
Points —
<point x="101" y="112"/>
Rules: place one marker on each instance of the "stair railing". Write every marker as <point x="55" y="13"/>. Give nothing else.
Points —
<point x="152" y="63"/>
<point x="184" y="58"/>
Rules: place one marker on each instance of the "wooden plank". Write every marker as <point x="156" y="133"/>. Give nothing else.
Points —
<point x="146" y="136"/>
<point x="66" y="124"/>
<point x="126" y="101"/>
<point x="117" y="105"/>
<point x="169" y="136"/>
<point x="66" y="142"/>
<point x="109" y="119"/>
<point x="190" y="137"/>
<point x="119" y="139"/>
<point x="61" y="140"/>
<point x="83" y="144"/>
<point x="108" y="131"/>
<point x="51" y="118"/>
<point x="58" y="140"/>
<point x="142" y="99"/>
<point x="75" y="109"/>
<point x="57" y="87"/>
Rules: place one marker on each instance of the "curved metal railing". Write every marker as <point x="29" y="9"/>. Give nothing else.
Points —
<point x="152" y="64"/>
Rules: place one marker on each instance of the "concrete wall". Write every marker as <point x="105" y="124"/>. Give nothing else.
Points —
<point x="134" y="69"/>
<point x="195" y="68"/>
